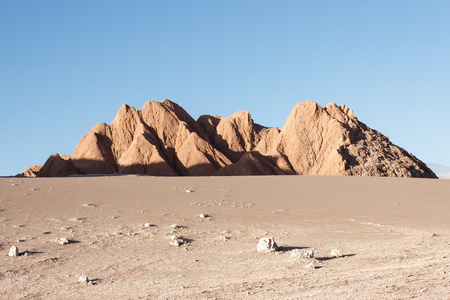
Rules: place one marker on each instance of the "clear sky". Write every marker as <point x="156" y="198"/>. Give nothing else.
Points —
<point x="67" y="65"/>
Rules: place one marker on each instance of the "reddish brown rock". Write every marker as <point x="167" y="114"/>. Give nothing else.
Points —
<point x="32" y="171"/>
<point x="57" y="166"/>
<point x="310" y="141"/>
<point x="251" y="163"/>
<point x="196" y="157"/>
<point x="94" y="153"/>
<point x="162" y="139"/>
<point x="143" y="156"/>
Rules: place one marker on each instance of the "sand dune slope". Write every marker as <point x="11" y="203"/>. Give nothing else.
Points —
<point x="393" y="233"/>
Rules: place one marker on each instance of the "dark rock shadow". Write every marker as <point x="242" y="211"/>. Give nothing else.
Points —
<point x="330" y="258"/>
<point x="94" y="281"/>
<point x="289" y="248"/>
<point x="29" y="253"/>
<point x="187" y="241"/>
<point x="180" y="227"/>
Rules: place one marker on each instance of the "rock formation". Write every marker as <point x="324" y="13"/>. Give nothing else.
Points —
<point x="162" y="139"/>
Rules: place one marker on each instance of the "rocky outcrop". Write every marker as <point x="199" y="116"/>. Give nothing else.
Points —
<point x="162" y="139"/>
<point x="32" y="171"/>
<point x="251" y="163"/>
<point x="57" y="166"/>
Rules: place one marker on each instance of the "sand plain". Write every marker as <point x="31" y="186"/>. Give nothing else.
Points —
<point x="394" y="234"/>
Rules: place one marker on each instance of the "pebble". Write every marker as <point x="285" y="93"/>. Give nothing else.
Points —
<point x="311" y="265"/>
<point x="83" y="279"/>
<point x="302" y="253"/>
<point x="336" y="253"/>
<point x="13" y="251"/>
<point x="62" y="241"/>
<point x="175" y="241"/>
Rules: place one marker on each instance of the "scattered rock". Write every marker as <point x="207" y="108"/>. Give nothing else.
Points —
<point x="302" y="253"/>
<point x="147" y="225"/>
<point x="79" y="220"/>
<point x="175" y="241"/>
<point x="203" y="215"/>
<point x="336" y="253"/>
<point x="267" y="244"/>
<point x="13" y="251"/>
<point x="83" y="279"/>
<point x="312" y="265"/>
<point x="62" y="241"/>
<point x="174" y="226"/>
<point x="189" y="191"/>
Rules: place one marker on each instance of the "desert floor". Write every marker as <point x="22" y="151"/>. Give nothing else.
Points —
<point x="394" y="235"/>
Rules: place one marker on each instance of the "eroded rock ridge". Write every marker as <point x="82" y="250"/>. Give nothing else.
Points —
<point x="162" y="139"/>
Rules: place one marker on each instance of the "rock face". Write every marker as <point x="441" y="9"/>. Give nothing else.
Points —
<point x="162" y="139"/>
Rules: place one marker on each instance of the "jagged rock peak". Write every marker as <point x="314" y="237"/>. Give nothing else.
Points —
<point x="162" y="139"/>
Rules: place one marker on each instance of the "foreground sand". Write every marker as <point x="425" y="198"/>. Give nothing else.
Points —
<point x="394" y="234"/>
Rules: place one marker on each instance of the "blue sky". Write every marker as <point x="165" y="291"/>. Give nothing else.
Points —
<point x="67" y="65"/>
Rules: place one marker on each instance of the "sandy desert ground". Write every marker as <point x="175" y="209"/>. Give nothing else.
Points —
<point x="394" y="235"/>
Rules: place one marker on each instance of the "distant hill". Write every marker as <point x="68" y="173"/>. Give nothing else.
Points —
<point x="440" y="170"/>
<point x="162" y="139"/>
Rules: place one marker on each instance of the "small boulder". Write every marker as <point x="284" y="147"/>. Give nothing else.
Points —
<point x="13" y="251"/>
<point x="267" y="244"/>
<point x="312" y="265"/>
<point x="175" y="241"/>
<point x="83" y="279"/>
<point x="302" y="253"/>
<point x="62" y="241"/>
<point x="336" y="253"/>
<point x="203" y="216"/>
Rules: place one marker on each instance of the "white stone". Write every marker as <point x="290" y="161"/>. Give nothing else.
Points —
<point x="83" y="279"/>
<point x="13" y="251"/>
<point x="267" y="244"/>
<point x="175" y="241"/>
<point x="311" y="265"/>
<point x="302" y="253"/>
<point x="203" y="215"/>
<point x="62" y="241"/>
<point x="336" y="253"/>
<point x="147" y="224"/>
